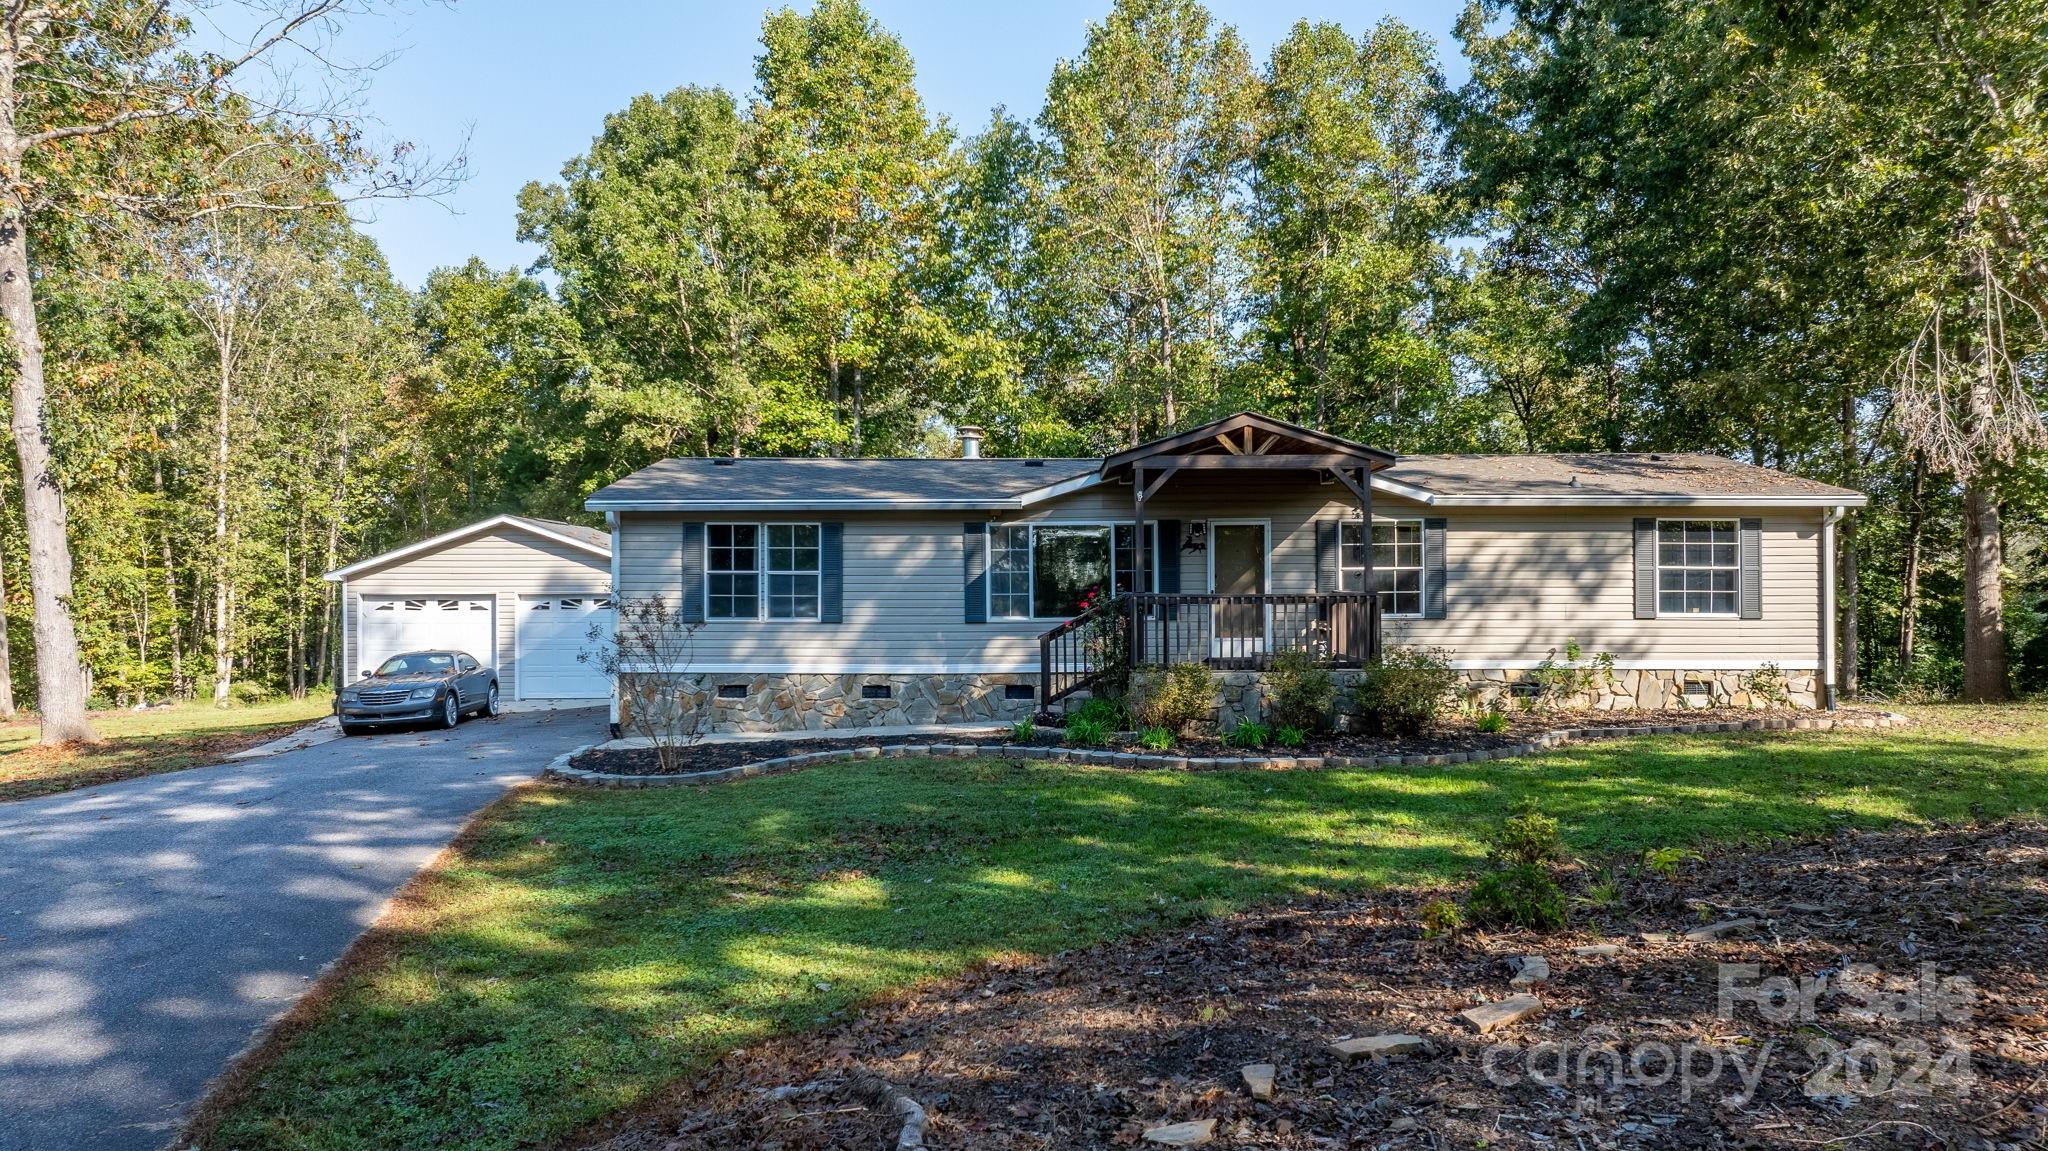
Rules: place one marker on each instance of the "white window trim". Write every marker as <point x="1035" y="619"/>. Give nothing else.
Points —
<point x="1657" y="577"/>
<point x="988" y="552"/>
<point x="762" y="572"/>
<point x="1422" y="572"/>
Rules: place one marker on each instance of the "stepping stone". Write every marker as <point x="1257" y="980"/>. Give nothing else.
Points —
<point x="1598" y="950"/>
<point x="1258" y="1079"/>
<point x="1713" y="931"/>
<point x="1529" y="970"/>
<point x="1494" y="1016"/>
<point x="1379" y="1047"/>
<point x="1192" y="1134"/>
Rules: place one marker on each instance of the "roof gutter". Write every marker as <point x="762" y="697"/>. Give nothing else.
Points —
<point x="864" y="504"/>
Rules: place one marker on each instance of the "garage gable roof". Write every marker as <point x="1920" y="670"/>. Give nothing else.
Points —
<point x="591" y="540"/>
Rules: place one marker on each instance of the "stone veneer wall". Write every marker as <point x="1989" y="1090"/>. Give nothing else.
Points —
<point x="804" y="702"/>
<point x="821" y="702"/>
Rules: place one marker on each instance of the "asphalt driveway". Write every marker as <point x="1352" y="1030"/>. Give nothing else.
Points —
<point x="148" y="929"/>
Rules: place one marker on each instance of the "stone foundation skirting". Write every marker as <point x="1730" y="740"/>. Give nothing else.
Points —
<point x="560" y="771"/>
<point x="820" y="702"/>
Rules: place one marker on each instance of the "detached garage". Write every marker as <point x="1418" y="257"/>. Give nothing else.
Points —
<point x="518" y="593"/>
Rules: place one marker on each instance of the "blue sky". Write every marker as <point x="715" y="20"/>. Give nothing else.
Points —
<point x="529" y="82"/>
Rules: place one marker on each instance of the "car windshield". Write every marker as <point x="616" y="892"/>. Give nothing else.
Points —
<point x="417" y="663"/>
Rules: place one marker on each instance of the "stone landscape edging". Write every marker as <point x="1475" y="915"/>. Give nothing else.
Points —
<point x="560" y="770"/>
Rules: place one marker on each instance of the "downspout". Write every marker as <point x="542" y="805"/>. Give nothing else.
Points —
<point x="611" y="520"/>
<point x="1828" y="520"/>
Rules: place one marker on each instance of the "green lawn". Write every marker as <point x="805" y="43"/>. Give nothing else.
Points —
<point x="143" y="743"/>
<point x="587" y="947"/>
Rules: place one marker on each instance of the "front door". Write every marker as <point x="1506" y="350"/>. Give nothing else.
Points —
<point x="1238" y="553"/>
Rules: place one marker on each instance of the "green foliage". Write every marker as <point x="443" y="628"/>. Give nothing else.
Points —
<point x="1562" y="681"/>
<point x="1176" y="698"/>
<point x="1406" y="690"/>
<point x="1522" y="896"/>
<point x="1768" y="685"/>
<point x="1084" y="732"/>
<point x="1250" y="734"/>
<point x="1105" y="713"/>
<point x="1155" y="738"/>
<point x="1527" y="837"/>
<point x="1290" y="737"/>
<point x="1666" y="862"/>
<point x="1023" y="731"/>
<point x="1299" y="692"/>
<point x="1441" y="919"/>
<point x="1492" y="721"/>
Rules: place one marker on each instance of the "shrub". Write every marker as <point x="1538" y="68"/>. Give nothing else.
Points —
<point x="1528" y="838"/>
<point x="1403" y="693"/>
<point x="1023" y="730"/>
<point x="1559" y="681"/>
<point x="1250" y="734"/>
<point x="1440" y="918"/>
<point x="1291" y="737"/>
<point x="1493" y="722"/>
<point x="1176" y="699"/>
<point x="1155" y="739"/>
<point x="1521" y="896"/>
<point x="1299" y="692"/>
<point x="1665" y="862"/>
<point x="1085" y="732"/>
<point x="1768" y="685"/>
<point x="1104" y="713"/>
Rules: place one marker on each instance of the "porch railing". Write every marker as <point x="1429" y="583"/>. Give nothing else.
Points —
<point x="1227" y="632"/>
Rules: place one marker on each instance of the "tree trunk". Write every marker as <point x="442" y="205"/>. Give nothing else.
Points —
<point x="60" y="674"/>
<point x="6" y="657"/>
<point x="1846" y="664"/>
<point x="1984" y="672"/>
<point x="223" y="668"/>
<point x="1909" y="579"/>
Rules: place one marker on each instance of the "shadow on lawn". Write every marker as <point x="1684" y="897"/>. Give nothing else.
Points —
<point x="590" y="947"/>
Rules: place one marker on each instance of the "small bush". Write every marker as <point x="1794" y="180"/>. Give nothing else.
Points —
<point x="1085" y="732"/>
<point x="1155" y="739"/>
<point x="1441" y="918"/>
<point x="1404" y="692"/>
<point x="1299" y="692"/>
<point x="1768" y="686"/>
<point x="1291" y="737"/>
<point x="1665" y="862"/>
<point x="1528" y="838"/>
<point x="1250" y="734"/>
<point x="1023" y="731"/>
<point x="1561" y="681"/>
<point x="1104" y="713"/>
<point x="1176" y="699"/>
<point x="1493" y="722"/>
<point x="1521" y="896"/>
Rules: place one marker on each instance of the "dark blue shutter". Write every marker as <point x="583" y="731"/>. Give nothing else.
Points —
<point x="1169" y="557"/>
<point x="831" y="573"/>
<point x="693" y="573"/>
<point x="1646" y="568"/>
<point x="1433" y="534"/>
<point x="1749" y="535"/>
<point x="1328" y="577"/>
<point x="974" y="546"/>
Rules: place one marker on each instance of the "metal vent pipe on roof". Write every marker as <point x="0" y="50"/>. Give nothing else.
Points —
<point x="970" y="442"/>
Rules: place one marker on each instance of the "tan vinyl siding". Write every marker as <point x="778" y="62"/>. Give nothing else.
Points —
<point x="504" y="564"/>
<point x="1519" y="583"/>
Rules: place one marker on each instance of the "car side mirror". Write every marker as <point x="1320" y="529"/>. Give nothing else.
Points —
<point x="366" y="673"/>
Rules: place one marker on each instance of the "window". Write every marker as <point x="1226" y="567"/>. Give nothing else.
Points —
<point x="1396" y="564"/>
<point x="1698" y="569"/>
<point x="1047" y="571"/>
<point x="761" y="571"/>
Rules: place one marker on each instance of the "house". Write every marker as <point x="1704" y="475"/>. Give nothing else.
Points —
<point x="834" y="592"/>
<point x="520" y="594"/>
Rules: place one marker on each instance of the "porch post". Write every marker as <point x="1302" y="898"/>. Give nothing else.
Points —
<point x="1372" y="631"/>
<point x="1137" y="643"/>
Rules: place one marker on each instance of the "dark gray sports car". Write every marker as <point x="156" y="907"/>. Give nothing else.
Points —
<point x="436" y="686"/>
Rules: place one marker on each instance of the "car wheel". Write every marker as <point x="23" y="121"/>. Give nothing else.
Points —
<point x="451" y="709"/>
<point x="491" y="701"/>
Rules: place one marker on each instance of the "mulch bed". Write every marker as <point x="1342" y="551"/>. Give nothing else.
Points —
<point x="1093" y="1048"/>
<point x="1456" y="734"/>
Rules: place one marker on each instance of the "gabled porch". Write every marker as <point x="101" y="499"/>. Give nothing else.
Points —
<point x="1242" y="621"/>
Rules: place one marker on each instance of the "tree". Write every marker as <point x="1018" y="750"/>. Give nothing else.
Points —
<point x="108" y="111"/>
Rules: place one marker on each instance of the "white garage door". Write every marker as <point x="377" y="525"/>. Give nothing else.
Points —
<point x="390" y="625"/>
<point x="553" y="630"/>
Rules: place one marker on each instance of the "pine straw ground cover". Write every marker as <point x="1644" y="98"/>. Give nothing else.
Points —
<point x="580" y="950"/>
<point x="1093" y="1048"/>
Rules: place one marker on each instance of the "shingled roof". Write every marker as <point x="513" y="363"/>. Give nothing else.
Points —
<point x="753" y="481"/>
<point x="1588" y="477"/>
